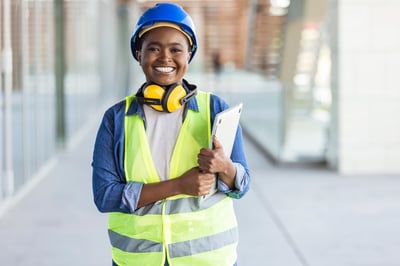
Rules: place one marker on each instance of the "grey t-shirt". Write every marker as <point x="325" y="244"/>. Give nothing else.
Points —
<point x="162" y="130"/>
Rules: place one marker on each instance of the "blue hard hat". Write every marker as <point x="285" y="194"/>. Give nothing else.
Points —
<point x="169" y="13"/>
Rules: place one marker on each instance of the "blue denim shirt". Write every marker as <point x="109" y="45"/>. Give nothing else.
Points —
<point x="111" y="191"/>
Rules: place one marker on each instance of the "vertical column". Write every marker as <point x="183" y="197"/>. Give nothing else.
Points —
<point x="26" y="110"/>
<point x="304" y="70"/>
<point x="292" y="37"/>
<point x="7" y="71"/>
<point x="251" y="26"/>
<point x="332" y="147"/>
<point x="59" y="71"/>
<point x="123" y="57"/>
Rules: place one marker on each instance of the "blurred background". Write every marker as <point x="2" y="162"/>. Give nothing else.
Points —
<point x="318" y="78"/>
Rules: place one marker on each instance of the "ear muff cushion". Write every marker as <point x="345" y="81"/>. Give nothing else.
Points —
<point x="155" y="92"/>
<point x="172" y="99"/>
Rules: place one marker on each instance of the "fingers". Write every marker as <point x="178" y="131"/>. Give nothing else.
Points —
<point x="216" y="143"/>
<point x="205" y="159"/>
<point x="211" y="161"/>
<point x="205" y="186"/>
<point x="196" y="182"/>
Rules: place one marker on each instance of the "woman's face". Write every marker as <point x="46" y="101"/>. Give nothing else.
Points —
<point x="164" y="56"/>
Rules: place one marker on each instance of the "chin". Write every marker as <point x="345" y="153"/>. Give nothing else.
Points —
<point x="166" y="82"/>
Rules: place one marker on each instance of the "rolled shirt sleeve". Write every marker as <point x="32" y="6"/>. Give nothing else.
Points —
<point x="242" y="180"/>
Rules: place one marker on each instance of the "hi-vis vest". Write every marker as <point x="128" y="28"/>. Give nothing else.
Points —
<point x="186" y="230"/>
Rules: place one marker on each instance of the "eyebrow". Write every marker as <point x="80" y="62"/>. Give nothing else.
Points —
<point x="169" y="44"/>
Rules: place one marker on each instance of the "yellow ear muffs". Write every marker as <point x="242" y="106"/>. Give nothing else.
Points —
<point x="156" y="94"/>
<point x="172" y="98"/>
<point x="166" y="99"/>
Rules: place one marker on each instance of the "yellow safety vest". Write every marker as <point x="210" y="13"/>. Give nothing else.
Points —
<point x="187" y="230"/>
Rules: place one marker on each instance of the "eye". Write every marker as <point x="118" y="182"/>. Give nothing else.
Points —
<point x="152" y="49"/>
<point x="176" y="50"/>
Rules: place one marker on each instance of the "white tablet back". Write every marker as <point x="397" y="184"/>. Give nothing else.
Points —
<point x="225" y="127"/>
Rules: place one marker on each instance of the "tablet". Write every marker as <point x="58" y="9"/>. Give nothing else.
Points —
<point x="225" y="127"/>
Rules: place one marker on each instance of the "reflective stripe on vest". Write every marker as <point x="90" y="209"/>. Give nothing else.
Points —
<point x="180" y="249"/>
<point x="181" y="205"/>
<point x="187" y="230"/>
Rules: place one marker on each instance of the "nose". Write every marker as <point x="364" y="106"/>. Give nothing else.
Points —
<point x="165" y="55"/>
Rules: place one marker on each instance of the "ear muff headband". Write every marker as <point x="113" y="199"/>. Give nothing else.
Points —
<point x="165" y="100"/>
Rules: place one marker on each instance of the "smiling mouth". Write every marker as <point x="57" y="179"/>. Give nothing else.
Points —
<point x="164" y="69"/>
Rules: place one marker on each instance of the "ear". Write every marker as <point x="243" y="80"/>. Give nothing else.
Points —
<point x="189" y="56"/>
<point x="139" y="57"/>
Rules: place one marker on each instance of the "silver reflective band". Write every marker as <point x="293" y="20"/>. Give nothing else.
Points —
<point x="183" y="205"/>
<point x="204" y="244"/>
<point x="128" y="244"/>
<point x="186" y="205"/>
<point x="155" y="208"/>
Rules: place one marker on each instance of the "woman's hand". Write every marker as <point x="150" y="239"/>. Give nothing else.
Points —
<point x="196" y="182"/>
<point x="193" y="182"/>
<point x="214" y="161"/>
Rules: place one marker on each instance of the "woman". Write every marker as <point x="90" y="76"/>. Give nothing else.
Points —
<point x="151" y="161"/>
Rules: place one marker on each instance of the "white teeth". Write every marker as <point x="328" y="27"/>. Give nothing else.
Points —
<point x="164" y="69"/>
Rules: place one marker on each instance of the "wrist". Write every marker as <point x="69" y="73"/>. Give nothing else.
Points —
<point x="176" y="186"/>
<point x="228" y="169"/>
<point x="228" y="174"/>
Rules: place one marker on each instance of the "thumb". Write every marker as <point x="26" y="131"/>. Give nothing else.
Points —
<point x="216" y="143"/>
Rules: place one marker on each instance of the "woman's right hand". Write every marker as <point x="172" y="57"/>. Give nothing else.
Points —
<point x="195" y="182"/>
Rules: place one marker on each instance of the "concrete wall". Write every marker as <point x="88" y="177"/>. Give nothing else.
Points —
<point x="368" y="90"/>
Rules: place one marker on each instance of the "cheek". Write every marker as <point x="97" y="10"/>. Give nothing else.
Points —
<point x="143" y="61"/>
<point x="184" y="66"/>
<point x="185" y="60"/>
